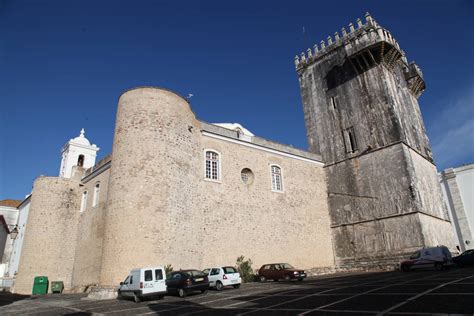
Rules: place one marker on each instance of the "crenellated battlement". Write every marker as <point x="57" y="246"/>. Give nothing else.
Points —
<point x="356" y="38"/>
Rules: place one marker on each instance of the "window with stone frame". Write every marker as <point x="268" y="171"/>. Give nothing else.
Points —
<point x="212" y="165"/>
<point x="350" y="141"/>
<point x="277" y="179"/>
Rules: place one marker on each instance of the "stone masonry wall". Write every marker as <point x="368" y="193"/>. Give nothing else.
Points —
<point x="90" y="234"/>
<point x="161" y="211"/>
<point x="50" y="235"/>
<point x="152" y="179"/>
<point x="258" y="223"/>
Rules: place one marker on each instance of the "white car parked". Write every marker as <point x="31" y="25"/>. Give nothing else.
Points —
<point x="223" y="276"/>
<point x="144" y="282"/>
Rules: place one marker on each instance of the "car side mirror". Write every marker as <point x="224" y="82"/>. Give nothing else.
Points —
<point x="121" y="283"/>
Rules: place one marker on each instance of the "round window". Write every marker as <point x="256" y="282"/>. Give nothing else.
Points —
<point x="246" y="175"/>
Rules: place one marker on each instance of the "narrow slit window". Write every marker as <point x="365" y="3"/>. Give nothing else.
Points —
<point x="334" y="102"/>
<point x="212" y="165"/>
<point x="84" y="201"/>
<point x="95" y="201"/>
<point x="80" y="161"/>
<point x="277" y="182"/>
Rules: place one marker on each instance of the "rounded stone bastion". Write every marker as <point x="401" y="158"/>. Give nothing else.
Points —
<point x="50" y="235"/>
<point x="153" y="180"/>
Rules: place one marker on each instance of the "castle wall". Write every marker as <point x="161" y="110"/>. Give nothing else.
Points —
<point x="368" y="196"/>
<point x="426" y="185"/>
<point x="258" y="223"/>
<point x="378" y="242"/>
<point x="90" y="234"/>
<point x="153" y="180"/>
<point x="50" y="236"/>
<point x="437" y="232"/>
<point x="360" y="102"/>
<point x="160" y="209"/>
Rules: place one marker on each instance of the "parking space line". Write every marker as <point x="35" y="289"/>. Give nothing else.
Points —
<point x="366" y="292"/>
<point x="255" y="299"/>
<point x="420" y="295"/>
<point x="306" y="296"/>
<point x="172" y="309"/>
<point x="346" y="311"/>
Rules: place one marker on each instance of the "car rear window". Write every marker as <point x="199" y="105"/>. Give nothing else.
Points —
<point x="158" y="274"/>
<point x="148" y="275"/>
<point x="194" y="273"/>
<point x="228" y="270"/>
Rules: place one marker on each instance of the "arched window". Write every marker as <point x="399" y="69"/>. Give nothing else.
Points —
<point x="84" y="201"/>
<point x="95" y="201"/>
<point x="277" y="179"/>
<point x="212" y="165"/>
<point x="80" y="160"/>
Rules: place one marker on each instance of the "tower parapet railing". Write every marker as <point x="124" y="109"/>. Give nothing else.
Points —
<point x="359" y="36"/>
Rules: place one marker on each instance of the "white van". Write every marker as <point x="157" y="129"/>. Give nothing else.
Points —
<point x="431" y="257"/>
<point x="144" y="282"/>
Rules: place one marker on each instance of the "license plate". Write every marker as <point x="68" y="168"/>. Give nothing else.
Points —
<point x="199" y="279"/>
<point x="303" y="274"/>
<point x="233" y="281"/>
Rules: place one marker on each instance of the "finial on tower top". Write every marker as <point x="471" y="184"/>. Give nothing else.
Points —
<point x="368" y="18"/>
<point x="82" y="133"/>
<point x="351" y="27"/>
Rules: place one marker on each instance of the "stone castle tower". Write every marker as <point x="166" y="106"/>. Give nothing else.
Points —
<point x="362" y="115"/>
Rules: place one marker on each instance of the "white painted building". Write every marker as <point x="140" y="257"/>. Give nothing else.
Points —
<point x="23" y="210"/>
<point x="458" y="191"/>
<point x="9" y="211"/>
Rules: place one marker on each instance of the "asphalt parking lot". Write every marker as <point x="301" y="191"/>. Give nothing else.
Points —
<point x="387" y="293"/>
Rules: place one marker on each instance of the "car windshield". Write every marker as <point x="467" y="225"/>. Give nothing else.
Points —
<point x="286" y="266"/>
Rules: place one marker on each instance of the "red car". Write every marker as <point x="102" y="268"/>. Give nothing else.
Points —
<point x="280" y="271"/>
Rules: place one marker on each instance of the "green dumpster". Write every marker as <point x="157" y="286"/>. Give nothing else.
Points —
<point x="40" y="285"/>
<point x="57" y="286"/>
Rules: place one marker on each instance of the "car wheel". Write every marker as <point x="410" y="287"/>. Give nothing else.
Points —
<point x="219" y="286"/>
<point x="181" y="293"/>
<point x="287" y="278"/>
<point x="263" y="279"/>
<point x="300" y="279"/>
<point x="459" y="264"/>
<point x="236" y="286"/>
<point x="405" y="268"/>
<point x="136" y="298"/>
<point x="438" y="266"/>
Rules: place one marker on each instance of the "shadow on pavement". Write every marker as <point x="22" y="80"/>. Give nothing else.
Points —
<point x="8" y="298"/>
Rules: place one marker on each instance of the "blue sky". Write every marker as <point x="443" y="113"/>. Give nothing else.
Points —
<point x="63" y="65"/>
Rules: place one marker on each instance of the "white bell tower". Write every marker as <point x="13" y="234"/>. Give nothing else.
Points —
<point x="77" y="152"/>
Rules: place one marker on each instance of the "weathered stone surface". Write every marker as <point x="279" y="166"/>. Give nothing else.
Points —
<point x="361" y="114"/>
<point x="50" y="236"/>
